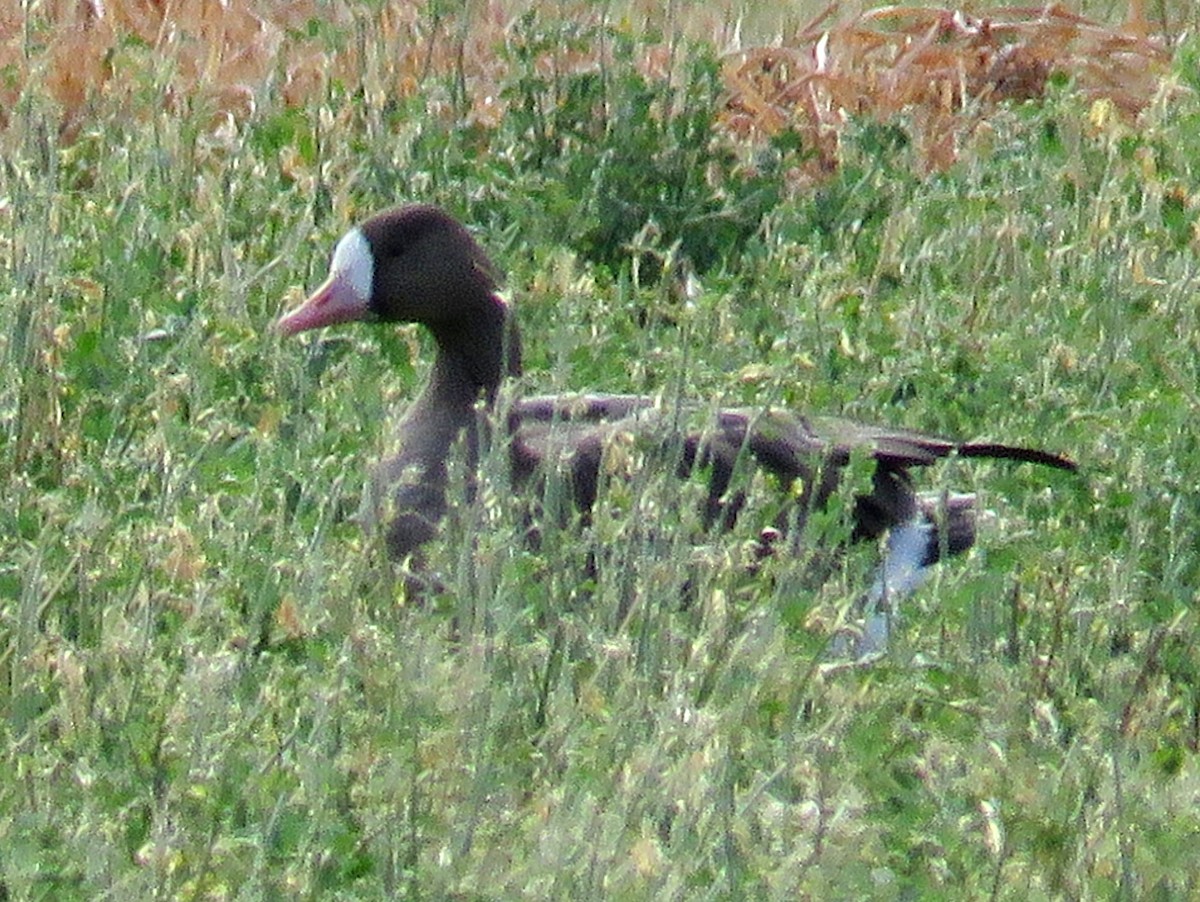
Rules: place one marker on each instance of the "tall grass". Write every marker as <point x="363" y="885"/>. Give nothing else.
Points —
<point x="214" y="686"/>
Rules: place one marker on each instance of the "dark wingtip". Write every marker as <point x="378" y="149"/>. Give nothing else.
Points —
<point x="1024" y="455"/>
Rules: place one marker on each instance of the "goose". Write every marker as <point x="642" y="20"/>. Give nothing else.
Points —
<point x="417" y="264"/>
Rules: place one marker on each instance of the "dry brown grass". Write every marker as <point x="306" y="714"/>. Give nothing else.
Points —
<point x="943" y="67"/>
<point x="940" y="66"/>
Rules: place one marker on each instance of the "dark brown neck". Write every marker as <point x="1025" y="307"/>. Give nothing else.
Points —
<point x="469" y="366"/>
<point x="480" y="351"/>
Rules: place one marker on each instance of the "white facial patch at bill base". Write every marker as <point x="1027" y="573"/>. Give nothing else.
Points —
<point x="353" y="264"/>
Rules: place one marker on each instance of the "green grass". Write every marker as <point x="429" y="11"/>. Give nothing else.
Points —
<point x="213" y="687"/>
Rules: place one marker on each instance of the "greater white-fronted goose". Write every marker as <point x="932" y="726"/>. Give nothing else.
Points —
<point x="416" y="264"/>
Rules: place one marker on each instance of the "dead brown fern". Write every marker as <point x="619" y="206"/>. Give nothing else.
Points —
<point x="942" y="68"/>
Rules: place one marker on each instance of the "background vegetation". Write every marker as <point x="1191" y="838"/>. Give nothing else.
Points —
<point x="214" y="687"/>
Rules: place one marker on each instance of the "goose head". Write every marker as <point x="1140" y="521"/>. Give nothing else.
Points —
<point x="416" y="264"/>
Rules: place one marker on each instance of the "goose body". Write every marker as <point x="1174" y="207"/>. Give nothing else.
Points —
<point x="417" y="264"/>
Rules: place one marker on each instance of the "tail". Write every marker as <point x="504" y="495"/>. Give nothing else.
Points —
<point x="1012" y="452"/>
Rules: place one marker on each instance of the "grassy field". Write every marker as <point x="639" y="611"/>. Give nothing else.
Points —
<point x="214" y="687"/>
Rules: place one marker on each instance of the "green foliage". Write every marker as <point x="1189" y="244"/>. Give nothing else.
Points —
<point x="622" y="165"/>
<point x="211" y="684"/>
